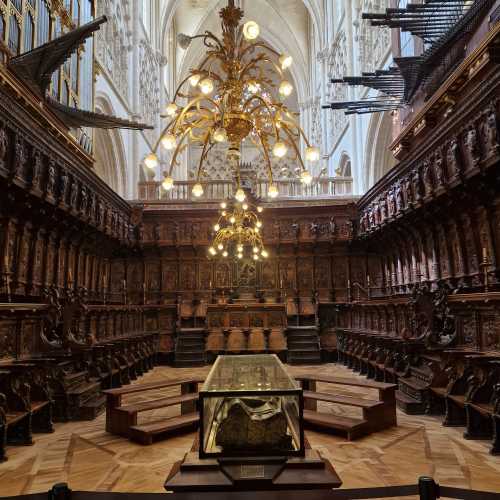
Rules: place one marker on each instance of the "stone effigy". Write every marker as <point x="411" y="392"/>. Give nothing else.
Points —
<point x="252" y="424"/>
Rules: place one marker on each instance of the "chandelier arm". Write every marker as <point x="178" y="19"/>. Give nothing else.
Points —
<point x="294" y="145"/>
<point x="261" y="45"/>
<point x="177" y="151"/>
<point x="259" y="98"/>
<point x="191" y="105"/>
<point x="255" y="61"/>
<point x="210" y="35"/>
<point x="203" y="155"/>
<point x="268" y="160"/>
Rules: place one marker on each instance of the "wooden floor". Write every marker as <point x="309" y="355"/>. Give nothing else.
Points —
<point x="85" y="456"/>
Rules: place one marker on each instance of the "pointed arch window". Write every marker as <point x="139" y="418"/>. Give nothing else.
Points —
<point x="14" y="34"/>
<point x="29" y="31"/>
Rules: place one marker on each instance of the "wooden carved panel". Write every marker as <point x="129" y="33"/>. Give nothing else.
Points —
<point x="169" y="276"/>
<point x="223" y="275"/>
<point x="187" y="275"/>
<point x="8" y="340"/>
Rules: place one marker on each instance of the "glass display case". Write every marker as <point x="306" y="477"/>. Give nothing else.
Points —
<point x="250" y="407"/>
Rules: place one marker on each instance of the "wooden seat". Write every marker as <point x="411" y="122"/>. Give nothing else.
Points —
<point x="352" y="427"/>
<point x="377" y="414"/>
<point x="342" y="400"/>
<point x="145" y="434"/>
<point x="120" y="418"/>
<point x="158" y="403"/>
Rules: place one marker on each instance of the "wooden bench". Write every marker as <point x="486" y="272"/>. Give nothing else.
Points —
<point x="120" y="419"/>
<point x="147" y="433"/>
<point x="377" y="414"/>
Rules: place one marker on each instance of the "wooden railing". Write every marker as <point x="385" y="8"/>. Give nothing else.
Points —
<point x="219" y="190"/>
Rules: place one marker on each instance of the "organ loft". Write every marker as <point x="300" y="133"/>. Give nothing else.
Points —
<point x="250" y="247"/>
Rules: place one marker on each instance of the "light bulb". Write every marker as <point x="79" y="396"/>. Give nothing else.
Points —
<point x="212" y="250"/>
<point x="232" y="220"/>
<point x="197" y="190"/>
<point x="272" y="192"/>
<point x="255" y="257"/>
<point x="240" y="195"/>
<point x="194" y="80"/>
<point x="285" y="61"/>
<point x="207" y="86"/>
<point x="264" y="254"/>
<point x="220" y="246"/>
<point x="253" y="87"/>
<point x="306" y="177"/>
<point x="240" y="256"/>
<point x="312" y="154"/>
<point x="216" y="227"/>
<point x="240" y="248"/>
<point x="223" y="213"/>
<point x="171" y="109"/>
<point x="251" y="30"/>
<point x="286" y="88"/>
<point x="223" y="205"/>
<point x="255" y="249"/>
<point x="256" y="229"/>
<point x="151" y="161"/>
<point x="169" y="141"/>
<point x="224" y="253"/>
<point x="244" y="206"/>
<point x="220" y="135"/>
<point x="168" y="183"/>
<point x="260" y="210"/>
<point x="258" y="223"/>
<point x="280" y="150"/>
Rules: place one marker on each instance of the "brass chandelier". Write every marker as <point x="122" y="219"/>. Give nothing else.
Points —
<point x="238" y="232"/>
<point x="233" y="96"/>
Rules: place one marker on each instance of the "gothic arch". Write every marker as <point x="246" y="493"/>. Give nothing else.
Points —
<point x="378" y="156"/>
<point x="109" y="153"/>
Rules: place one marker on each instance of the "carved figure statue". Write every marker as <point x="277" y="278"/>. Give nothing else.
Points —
<point x="491" y="131"/>
<point x="4" y="145"/>
<point x="332" y="227"/>
<point x="439" y="169"/>
<point x="35" y="173"/>
<point x="415" y="182"/>
<point x="313" y="228"/>
<point x="427" y="177"/>
<point x="51" y="179"/>
<point x="453" y="157"/>
<point x="74" y="194"/>
<point x="472" y="145"/>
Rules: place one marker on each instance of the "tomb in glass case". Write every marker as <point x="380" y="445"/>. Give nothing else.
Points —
<point x="250" y="407"/>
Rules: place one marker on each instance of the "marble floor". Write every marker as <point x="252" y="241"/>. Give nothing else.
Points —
<point x="87" y="458"/>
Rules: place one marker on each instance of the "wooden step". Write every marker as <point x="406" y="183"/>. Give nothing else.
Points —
<point x="145" y="434"/>
<point x="158" y="403"/>
<point x="342" y="400"/>
<point x="353" y="427"/>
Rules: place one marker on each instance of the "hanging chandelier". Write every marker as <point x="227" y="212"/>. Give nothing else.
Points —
<point x="237" y="93"/>
<point x="238" y="232"/>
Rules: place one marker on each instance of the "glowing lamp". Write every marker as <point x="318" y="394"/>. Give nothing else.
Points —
<point x="198" y="190"/>
<point x="168" y="183"/>
<point x="251" y="30"/>
<point x="286" y="88"/>
<point x="312" y="154"/>
<point x="194" y="80"/>
<point x="240" y="195"/>
<point x="171" y="109"/>
<point x="285" y="61"/>
<point x="169" y="141"/>
<point x="272" y="192"/>
<point x="220" y="135"/>
<point x="207" y="86"/>
<point x="151" y="161"/>
<point x="280" y="150"/>
<point x="306" y="177"/>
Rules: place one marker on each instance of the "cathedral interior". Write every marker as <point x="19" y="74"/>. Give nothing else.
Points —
<point x="249" y="246"/>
